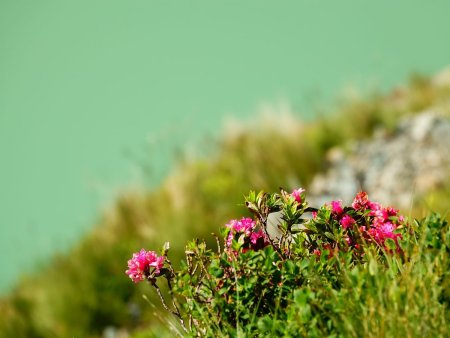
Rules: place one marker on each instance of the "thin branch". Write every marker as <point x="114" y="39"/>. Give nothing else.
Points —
<point x="164" y="304"/>
<point x="218" y="243"/>
<point x="194" y="270"/>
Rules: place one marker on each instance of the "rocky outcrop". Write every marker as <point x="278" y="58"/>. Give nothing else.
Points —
<point x="392" y="167"/>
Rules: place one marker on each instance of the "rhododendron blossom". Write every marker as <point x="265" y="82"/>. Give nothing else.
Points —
<point x="383" y="221"/>
<point x="244" y="226"/>
<point x="336" y="207"/>
<point x="144" y="264"/>
<point x="361" y="201"/>
<point x="347" y="221"/>
<point x="253" y="238"/>
<point x="297" y="194"/>
<point x="382" y="231"/>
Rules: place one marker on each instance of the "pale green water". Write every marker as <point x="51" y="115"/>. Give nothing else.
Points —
<point x="85" y="85"/>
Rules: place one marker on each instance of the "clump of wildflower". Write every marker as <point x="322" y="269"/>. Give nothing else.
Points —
<point x="297" y="194"/>
<point x="347" y="221"/>
<point x="383" y="222"/>
<point x="258" y="240"/>
<point x="381" y="231"/>
<point x="253" y="238"/>
<point x="361" y="201"/>
<point x="336" y="207"/>
<point x="367" y="220"/>
<point x="144" y="264"/>
<point x="244" y="226"/>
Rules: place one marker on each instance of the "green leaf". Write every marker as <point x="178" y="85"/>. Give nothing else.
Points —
<point x="373" y="267"/>
<point x="265" y="324"/>
<point x="166" y="248"/>
<point x="390" y="244"/>
<point x="329" y="235"/>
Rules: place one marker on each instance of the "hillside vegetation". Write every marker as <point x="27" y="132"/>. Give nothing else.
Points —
<point x="85" y="291"/>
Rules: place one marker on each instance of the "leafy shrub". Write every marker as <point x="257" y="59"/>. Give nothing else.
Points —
<point x="308" y="272"/>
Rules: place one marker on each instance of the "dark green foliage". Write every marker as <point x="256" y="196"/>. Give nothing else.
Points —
<point x="317" y="282"/>
<point x="260" y="294"/>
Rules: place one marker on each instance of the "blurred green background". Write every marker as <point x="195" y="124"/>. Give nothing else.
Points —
<point x="97" y="95"/>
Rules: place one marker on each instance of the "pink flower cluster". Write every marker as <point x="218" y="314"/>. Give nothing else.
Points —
<point x="336" y="207"/>
<point x="378" y="224"/>
<point x="346" y="221"/>
<point x="254" y="239"/>
<point x="384" y="222"/>
<point x="297" y="194"/>
<point x="144" y="264"/>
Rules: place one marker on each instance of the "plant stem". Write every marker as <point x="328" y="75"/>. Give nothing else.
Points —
<point x="164" y="304"/>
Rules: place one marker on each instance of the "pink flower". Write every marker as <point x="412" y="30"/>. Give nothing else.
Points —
<point x="387" y="230"/>
<point x="361" y="201"/>
<point x="253" y="239"/>
<point x="380" y="213"/>
<point x="382" y="230"/>
<point x="297" y="194"/>
<point x="144" y="264"/>
<point x="255" y="236"/>
<point x="258" y="240"/>
<point x="374" y="206"/>
<point x="391" y="211"/>
<point x="336" y="207"/>
<point x="347" y="221"/>
<point x="244" y="226"/>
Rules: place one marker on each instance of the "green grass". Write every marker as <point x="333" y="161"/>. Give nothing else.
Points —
<point x="81" y="292"/>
